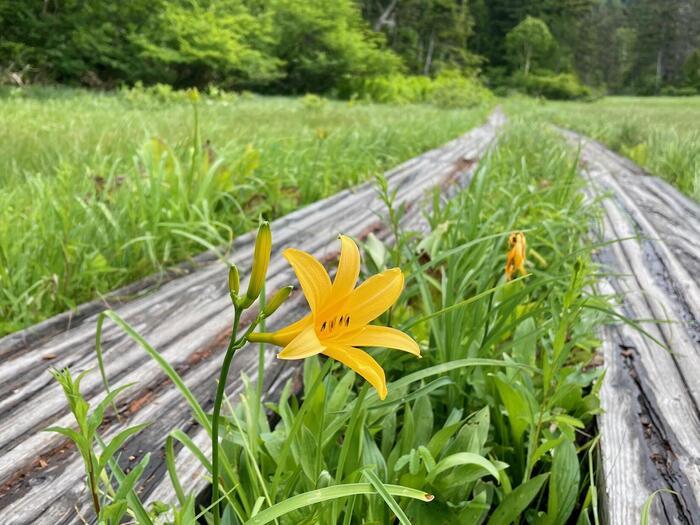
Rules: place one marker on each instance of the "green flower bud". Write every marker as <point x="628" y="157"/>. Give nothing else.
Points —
<point x="324" y="480"/>
<point x="193" y="95"/>
<point x="261" y="259"/>
<point x="234" y="281"/>
<point x="277" y="300"/>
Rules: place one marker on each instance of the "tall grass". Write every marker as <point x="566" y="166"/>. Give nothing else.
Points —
<point x="101" y="189"/>
<point x="496" y="421"/>
<point x="660" y="134"/>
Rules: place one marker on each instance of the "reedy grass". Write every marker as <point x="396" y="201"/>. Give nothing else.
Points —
<point x="99" y="190"/>
<point x="496" y="420"/>
<point x="661" y="134"/>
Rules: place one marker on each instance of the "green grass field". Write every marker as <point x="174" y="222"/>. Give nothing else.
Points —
<point x="661" y="134"/>
<point x="101" y="189"/>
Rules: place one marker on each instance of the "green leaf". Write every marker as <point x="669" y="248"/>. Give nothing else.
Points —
<point x="441" y="437"/>
<point x="563" y="483"/>
<point x="133" y="501"/>
<point x="388" y="432"/>
<point x="113" y="513"/>
<point x="388" y="498"/>
<point x="71" y="434"/>
<point x="115" y="443"/>
<point x="172" y="470"/>
<point x="126" y="485"/>
<point x="646" y="508"/>
<point x="331" y="493"/>
<point x="525" y="342"/>
<point x="97" y="415"/>
<point x="341" y="392"/>
<point x="517" y="501"/>
<point x="517" y="407"/>
<point x="423" y="418"/>
<point x="199" y="413"/>
<point x="371" y="455"/>
<point x="463" y="458"/>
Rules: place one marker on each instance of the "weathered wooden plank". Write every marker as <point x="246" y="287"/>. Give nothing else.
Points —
<point x="188" y="320"/>
<point x="650" y="431"/>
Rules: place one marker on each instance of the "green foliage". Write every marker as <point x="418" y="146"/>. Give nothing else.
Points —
<point x="296" y="46"/>
<point x="210" y="41"/>
<point x="429" y="35"/>
<point x="528" y="42"/>
<point x="565" y="86"/>
<point x="118" y="206"/>
<point x="320" y="43"/>
<point x="110" y="505"/>
<point x="281" y="45"/>
<point x="491" y="426"/>
<point x="673" y="91"/>
<point x="691" y="70"/>
<point x="448" y="90"/>
<point x="74" y="40"/>
<point x="659" y="134"/>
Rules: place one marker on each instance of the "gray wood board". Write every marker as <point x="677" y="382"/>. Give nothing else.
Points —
<point x="186" y="316"/>
<point x="650" y="430"/>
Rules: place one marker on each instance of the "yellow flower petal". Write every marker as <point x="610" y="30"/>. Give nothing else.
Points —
<point x="383" y="337"/>
<point x="374" y="296"/>
<point x="362" y="363"/>
<point x="303" y="345"/>
<point x="348" y="268"/>
<point x="283" y="336"/>
<point x="312" y="276"/>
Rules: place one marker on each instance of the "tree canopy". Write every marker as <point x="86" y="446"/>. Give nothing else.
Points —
<point x="296" y="46"/>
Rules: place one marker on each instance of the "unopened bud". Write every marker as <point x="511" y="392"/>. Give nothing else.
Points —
<point x="234" y="281"/>
<point x="277" y="300"/>
<point x="261" y="259"/>
<point x="324" y="480"/>
<point x="193" y="95"/>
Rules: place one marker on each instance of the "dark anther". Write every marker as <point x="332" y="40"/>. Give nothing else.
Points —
<point x="323" y="326"/>
<point x="347" y="321"/>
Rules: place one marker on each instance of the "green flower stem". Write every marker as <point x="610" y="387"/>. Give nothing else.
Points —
<point x="233" y="346"/>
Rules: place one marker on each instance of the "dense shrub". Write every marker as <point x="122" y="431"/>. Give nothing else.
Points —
<point x="321" y="42"/>
<point x="201" y="43"/>
<point x="691" y="70"/>
<point x="673" y="91"/>
<point x="270" y="45"/>
<point x="447" y="90"/>
<point x="564" y="86"/>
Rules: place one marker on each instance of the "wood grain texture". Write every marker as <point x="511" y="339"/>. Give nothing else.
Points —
<point x="186" y="315"/>
<point x="650" y="430"/>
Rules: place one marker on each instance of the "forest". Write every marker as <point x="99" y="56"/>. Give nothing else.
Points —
<point x="554" y="48"/>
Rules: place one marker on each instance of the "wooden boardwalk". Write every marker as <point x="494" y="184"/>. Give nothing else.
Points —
<point x="188" y="320"/>
<point x="650" y="430"/>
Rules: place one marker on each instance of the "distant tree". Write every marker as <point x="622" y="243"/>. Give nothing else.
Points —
<point x="429" y="35"/>
<point x="691" y="70"/>
<point x="322" y="42"/>
<point x="215" y="41"/>
<point x="528" y="41"/>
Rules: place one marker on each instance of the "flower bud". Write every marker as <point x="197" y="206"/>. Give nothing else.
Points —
<point x="193" y="95"/>
<point x="324" y="480"/>
<point x="261" y="259"/>
<point x="277" y="300"/>
<point x="234" y="281"/>
<point x="262" y="337"/>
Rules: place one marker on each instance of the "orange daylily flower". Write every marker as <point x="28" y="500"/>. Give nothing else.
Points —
<point x="340" y="315"/>
<point x="515" y="260"/>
